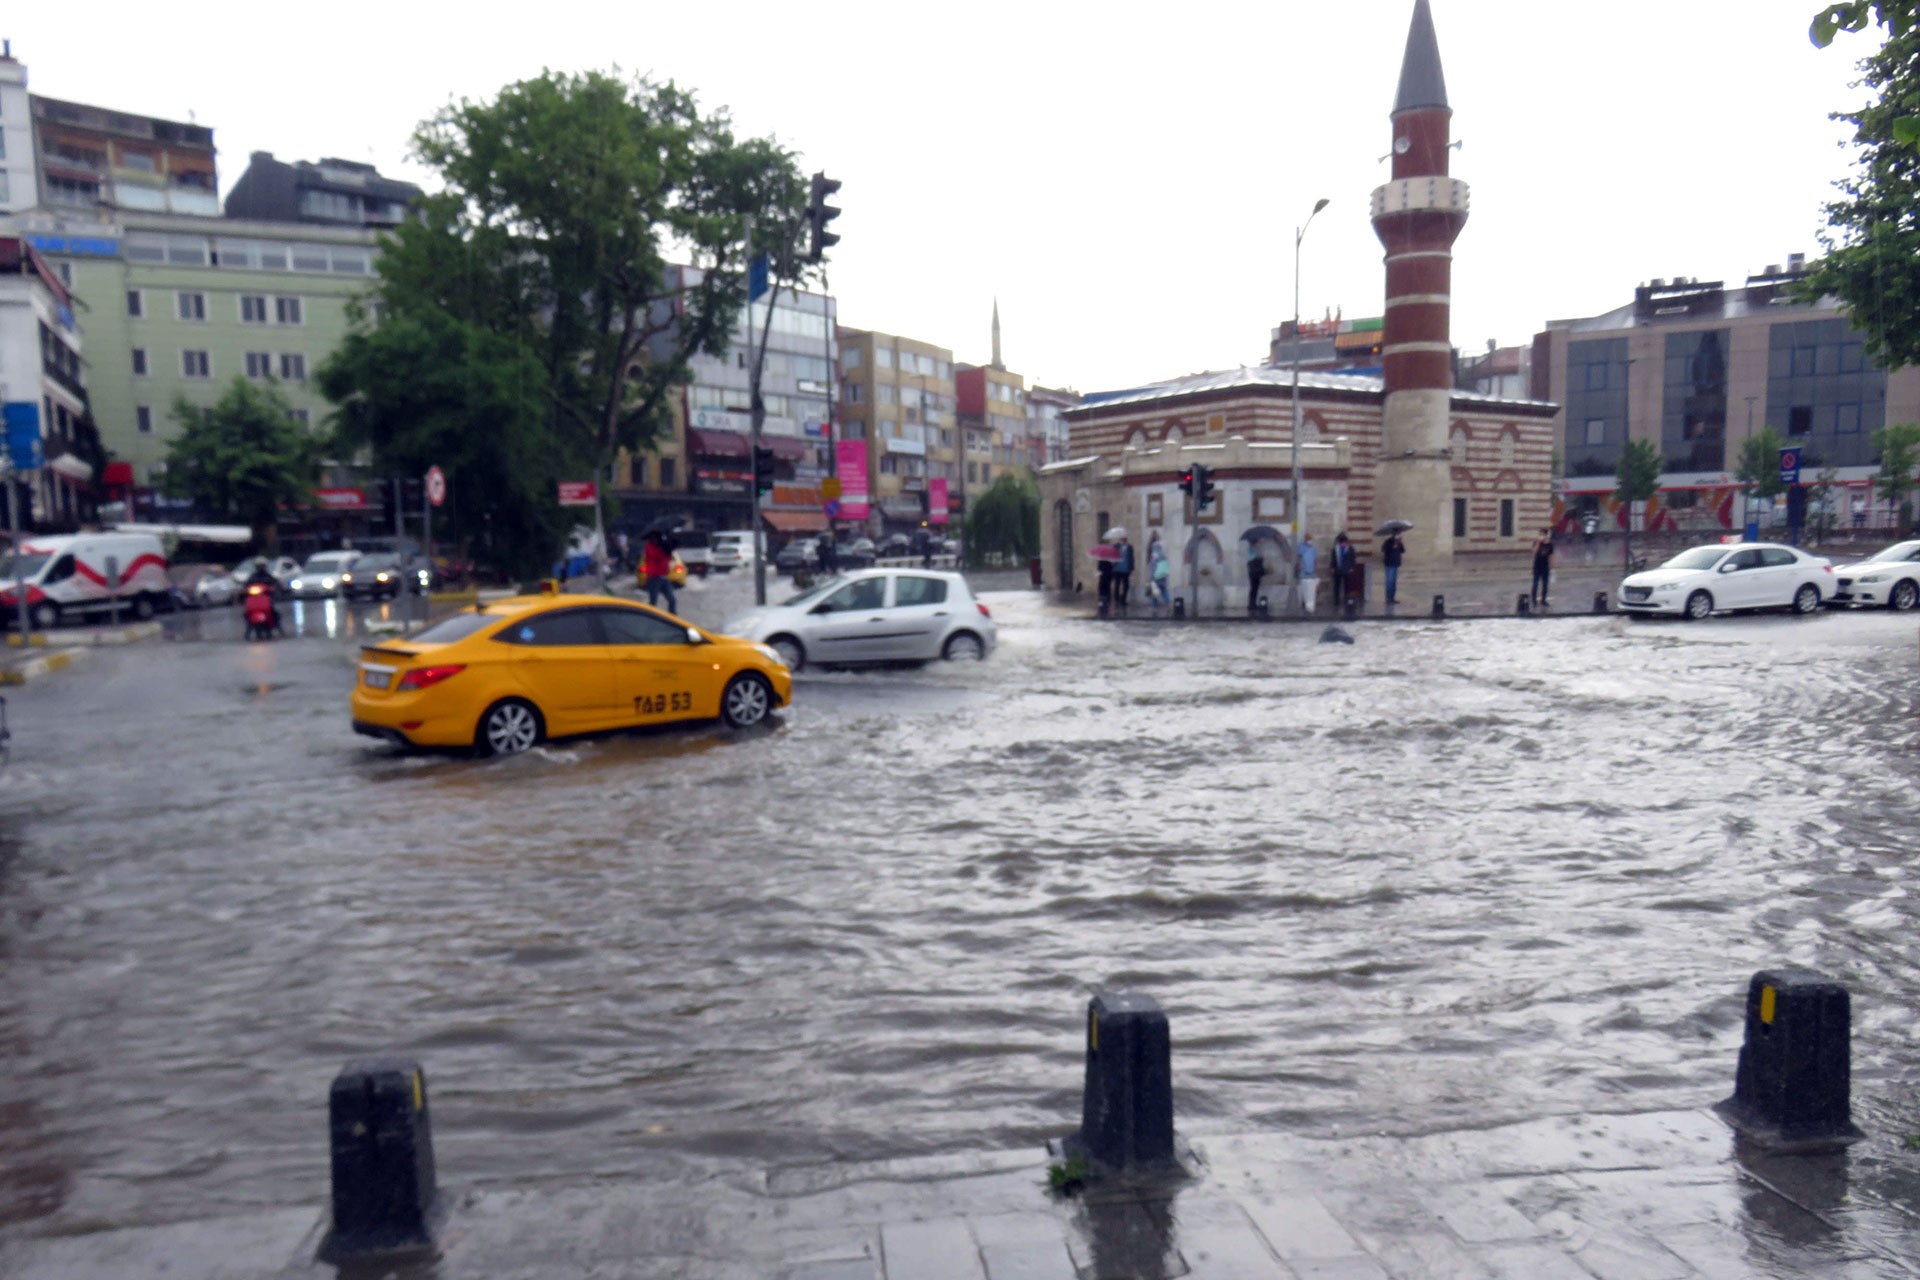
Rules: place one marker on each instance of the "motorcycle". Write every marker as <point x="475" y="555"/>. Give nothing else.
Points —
<point x="263" y="619"/>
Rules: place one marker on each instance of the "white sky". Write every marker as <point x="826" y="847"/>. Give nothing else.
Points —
<point x="1125" y="178"/>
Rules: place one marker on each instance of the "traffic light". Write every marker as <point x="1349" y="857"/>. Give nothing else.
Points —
<point x="819" y="214"/>
<point x="763" y="470"/>
<point x="1186" y="481"/>
<point x="1202" y="487"/>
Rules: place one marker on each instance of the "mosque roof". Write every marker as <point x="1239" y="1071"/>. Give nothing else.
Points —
<point x="1249" y="377"/>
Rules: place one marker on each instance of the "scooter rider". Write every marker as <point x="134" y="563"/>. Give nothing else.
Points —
<point x="267" y="583"/>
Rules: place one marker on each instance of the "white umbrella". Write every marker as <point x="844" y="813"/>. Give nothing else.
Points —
<point x="1114" y="534"/>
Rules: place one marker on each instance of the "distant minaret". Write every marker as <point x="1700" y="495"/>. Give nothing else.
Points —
<point x="996" y="335"/>
<point x="1417" y="216"/>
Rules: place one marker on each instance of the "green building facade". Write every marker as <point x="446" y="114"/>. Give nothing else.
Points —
<point x="179" y="306"/>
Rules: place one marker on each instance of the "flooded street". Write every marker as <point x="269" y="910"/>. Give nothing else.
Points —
<point x="1453" y="875"/>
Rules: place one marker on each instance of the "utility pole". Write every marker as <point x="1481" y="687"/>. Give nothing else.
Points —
<point x="1294" y="513"/>
<point x="758" y="415"/>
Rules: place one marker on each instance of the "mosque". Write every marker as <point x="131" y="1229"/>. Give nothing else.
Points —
<point x="1472" y="473"/>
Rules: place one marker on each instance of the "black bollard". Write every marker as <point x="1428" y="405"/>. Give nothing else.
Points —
<point x="1126" y="1117"/>
<point x="1439" y="606"/>
<point x="1179" y="607"/>
<point x="1793" y="1087"/>
<point x="1599" y="602"/>
<point x="1259" y="609"/>
<point x="384" y="1198"/>
<point x="1353" y="608"/>
<point x="1523" y="606"/>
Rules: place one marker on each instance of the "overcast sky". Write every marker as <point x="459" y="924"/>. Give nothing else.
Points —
<point x="1125" y="178"/>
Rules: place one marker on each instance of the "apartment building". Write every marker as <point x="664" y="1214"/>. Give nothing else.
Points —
<point x="95" y="157"/>
<point x="49" y="425"/>
<point x="993" y="423"/>
<point x="19" y="181"/>
<point x="334" y="193"/>
<point x="179" y="306"/>
<point x="898" y="395"/>
<point x="1046" y="427"/>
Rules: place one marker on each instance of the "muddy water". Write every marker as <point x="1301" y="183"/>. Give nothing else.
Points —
<point x="1449" y="876"/>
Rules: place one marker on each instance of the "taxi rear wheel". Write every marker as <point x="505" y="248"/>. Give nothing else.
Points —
<point x="746" y="702"/>
<point x="509" y="727"/>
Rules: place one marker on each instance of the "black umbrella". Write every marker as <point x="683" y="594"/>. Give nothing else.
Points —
<point x="1260" y="531"/>
<point x="1393" y="526"/>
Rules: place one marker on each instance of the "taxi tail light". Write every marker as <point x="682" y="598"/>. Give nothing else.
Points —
<point x="982" y="608"/>
<point x="421" y="677"/>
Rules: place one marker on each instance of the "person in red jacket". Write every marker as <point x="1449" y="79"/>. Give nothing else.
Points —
<point x="656" y="563"/>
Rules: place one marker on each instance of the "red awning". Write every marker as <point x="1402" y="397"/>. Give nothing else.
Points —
<point x="118" y="473"/>
<point x="786" y="447"/>
<point x="795" y="521"/>
<point x="717" y="444"/>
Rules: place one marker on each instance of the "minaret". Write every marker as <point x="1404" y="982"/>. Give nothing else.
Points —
<point x="1417" y="216"/>
<point x="996" y="335"/>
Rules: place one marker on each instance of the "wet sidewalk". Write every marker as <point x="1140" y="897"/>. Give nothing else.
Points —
<point x="1482" y="596"/>
<point x="1662" y="1196"/>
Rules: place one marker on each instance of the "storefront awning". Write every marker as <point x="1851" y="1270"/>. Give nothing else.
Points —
<point x="795" y="521"/>
<point x="717" y="444"/>
<point x="70" y="467"/>
<point x="787" y="447"/>
<point x="118" y="473"/>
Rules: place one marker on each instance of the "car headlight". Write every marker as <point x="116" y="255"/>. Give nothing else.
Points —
<point x="326" y="584"/>
<point x="1874" y="577"/>
<point x="1666" y="586"/>
<point x="382" y="577"/>
<point x="766" y="651"/>
<point x="296" y="584"/>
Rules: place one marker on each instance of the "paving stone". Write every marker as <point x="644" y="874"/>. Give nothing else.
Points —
<point x="1300" y="1227"/>
<point x="222" y="1249"/>
<point x="1232" y="1251"/>
<point x="1480" y="1215"/>
<point x="1417" y="1256"/>
<point x="1024" y="1246"/>
<point x="1125" y="1241"/>
<point x="942" y="1249"/>
<point x="1355" y="1268"/>
<point x="1623" y="1257"/>
<point x="1530" y="1262"/>
<point x="863" y="1269"/>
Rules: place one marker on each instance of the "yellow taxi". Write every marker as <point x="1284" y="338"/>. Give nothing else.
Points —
<point x="507" y="674"/>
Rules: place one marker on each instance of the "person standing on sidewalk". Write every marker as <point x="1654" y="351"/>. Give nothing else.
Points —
<point x="1542" y="566"/>
<point x="1343" y="564"/>
<point x="1307" y="569"/>
<point x="1256" y="570"/>
<point x="1392" y="551"/>
<point x="1123" y="573"/>
<point x="1158" y="572"/>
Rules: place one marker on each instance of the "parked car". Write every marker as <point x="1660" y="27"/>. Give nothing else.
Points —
<point x="319" y="577"/>
<point x="67" y="575"/>
<point x="875" y="615"/>
<point x="733" y="549"/>
<point x="1890" y="578"/>
<point x="379" y="576"/>
<point x="202" y="586"/>
<point x="503" y="676"/>
<point x="801" y="553"/>
<point x="897" y="544"/>
<point x="1728" y="577"/>
<point x="857" y="554"/>
<point x="695" y="549"/>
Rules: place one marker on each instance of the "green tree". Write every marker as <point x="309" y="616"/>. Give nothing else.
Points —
<point x="1758" y="466"/>
<point x="425" y="389"/>
<point x="1636" y="479"/>
<point x="244" y="458"/>
<point x="1825" y="521"/>
<point x="564" y="199"/>
<point x="1872" y="240"/>
<point x="1899" y="447"/>
<point x="1005" y="520"/>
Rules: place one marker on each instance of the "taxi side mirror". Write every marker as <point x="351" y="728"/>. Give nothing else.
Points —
<point x="694" y="636"/>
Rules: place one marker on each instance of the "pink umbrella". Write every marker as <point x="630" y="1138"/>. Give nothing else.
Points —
<point x="1104" y="551"/>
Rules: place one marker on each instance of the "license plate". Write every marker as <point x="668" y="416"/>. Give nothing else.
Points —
<point x="379" y="679"/>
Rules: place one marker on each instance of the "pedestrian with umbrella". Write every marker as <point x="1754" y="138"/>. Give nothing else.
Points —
<point x="1107" y="555"/>
<point x="1123" y="567"/>
<point x="1392" y="552"/>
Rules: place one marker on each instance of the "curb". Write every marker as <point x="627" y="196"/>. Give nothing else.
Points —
<point x="33" y="668"/>
<point x="93" y="637"/>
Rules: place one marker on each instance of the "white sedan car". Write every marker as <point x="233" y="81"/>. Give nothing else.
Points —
<point x="1890" y="578"/>
<point x="875" y="615"/>
<point x="1740" y="575"/>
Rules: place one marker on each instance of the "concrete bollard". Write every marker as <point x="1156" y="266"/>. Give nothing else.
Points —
<point x="384" y="1196"/>
<point x="1126" y="1116"/>
<point x="1523" y="606"/>
<point x="1599" y="602"/>
<point x="1439" y="606"/>
<point x="1793" y="1087"/>
<point x="1179" y="608"/>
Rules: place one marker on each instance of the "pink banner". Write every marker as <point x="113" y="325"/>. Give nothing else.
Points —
<point x="937" y="500"/>
<point x="851" y="457"/>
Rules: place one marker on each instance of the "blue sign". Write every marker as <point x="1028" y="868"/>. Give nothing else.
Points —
<point x="23" y="435"/>
<point x="77" y="246"/>
<point x="1790" y="465"/>
<point x="757" y="272"/>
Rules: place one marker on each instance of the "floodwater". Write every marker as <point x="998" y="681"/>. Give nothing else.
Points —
<point x="1453" y="875"/>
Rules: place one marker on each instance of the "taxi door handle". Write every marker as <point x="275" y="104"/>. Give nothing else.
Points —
<point x="940" y="614"/>
<point x="876" y="618"/>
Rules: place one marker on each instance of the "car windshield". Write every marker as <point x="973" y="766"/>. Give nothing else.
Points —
<point x="817" y="590"/>
<point x="328" y="561"/>
<point x="1898" y="551"/>
<point x="373" y="564"/>
<point x="1698" y="558"/>
<point x="24" y="565"/>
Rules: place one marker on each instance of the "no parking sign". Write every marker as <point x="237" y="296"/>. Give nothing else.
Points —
<point x="1790" y="465"/>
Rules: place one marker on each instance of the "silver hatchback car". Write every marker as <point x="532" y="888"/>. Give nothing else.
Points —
<point x="875" y="615"/>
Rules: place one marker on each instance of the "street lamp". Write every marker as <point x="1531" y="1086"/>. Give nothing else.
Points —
<point x="1293" y="500"/>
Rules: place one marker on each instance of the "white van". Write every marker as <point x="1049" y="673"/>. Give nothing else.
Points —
<point x="67" y="576"/>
